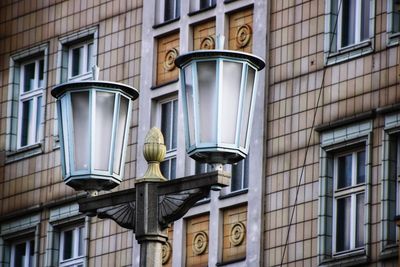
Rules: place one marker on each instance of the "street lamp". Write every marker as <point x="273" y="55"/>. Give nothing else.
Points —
<point x="218" y="89"/>
<point x="218" y="93"/>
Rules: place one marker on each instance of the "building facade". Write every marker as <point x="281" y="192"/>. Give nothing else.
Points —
<point x="321" y="183"/>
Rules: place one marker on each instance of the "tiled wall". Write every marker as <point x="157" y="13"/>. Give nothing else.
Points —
<point x="37" y="180"/>
<point x="295" y="91"/>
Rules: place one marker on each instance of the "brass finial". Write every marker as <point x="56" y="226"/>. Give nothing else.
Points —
<point x="154" y="152"/>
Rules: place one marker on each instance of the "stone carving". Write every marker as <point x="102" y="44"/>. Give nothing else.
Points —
<point x="169" y="60"/>
<point x="207" y="43"/>
<point x="200" y="243"/>
<point x="243" y="35"/>
<point x="166" y="252"/>
<point x="238" y="233"/>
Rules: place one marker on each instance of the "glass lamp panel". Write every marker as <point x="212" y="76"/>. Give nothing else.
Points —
<point x="230" y="94"/>
<point x="80" y="118"/>
<point x="189" y="95"/>
<point x="120" y="133"/>
<point x="29" y="77"/>
<point x="344" y="171"/>
<point x="343" y="213"/>
<point x="248" y="96"/>
<point x="208" y="101"/>
<point x="103" y="123"/>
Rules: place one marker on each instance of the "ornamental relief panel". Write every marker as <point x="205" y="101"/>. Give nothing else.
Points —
<point x="167" y="52"/>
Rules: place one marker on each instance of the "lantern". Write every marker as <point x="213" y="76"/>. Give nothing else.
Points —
<point x="218" y="93"/>
<point x="94" y="119"/>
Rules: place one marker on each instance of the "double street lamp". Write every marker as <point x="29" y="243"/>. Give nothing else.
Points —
<point x="218" y="91"/>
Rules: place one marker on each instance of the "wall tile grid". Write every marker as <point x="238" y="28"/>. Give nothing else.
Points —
<point x="35" y="180"/>
<point x="295" y="76"/>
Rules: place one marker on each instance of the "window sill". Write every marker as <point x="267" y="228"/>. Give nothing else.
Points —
<point x="352" y="258"/>
<point x="389" y="252"/>
<point x="23" y="153"/>
<point x="349" y="52"/>
<point x="159" y="25"/>
<point x="81" y="77"/>
<point x="193" y="13"/>
<point x="234" y="194"/>
<point x="230" y="262"/>
<point x="393" y="39"/>
<point x="164" y="84"/>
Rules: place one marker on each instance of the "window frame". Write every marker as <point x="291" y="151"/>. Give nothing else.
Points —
<point x="75" y="258"/>
<point x="351" y="191"/>
<point x="393" y="38"/>
<point x="35" y="115"/>
<point x="172" y="153"/>
<point x="85" y="74"/>
<point x="333" y="51"/>
<point x="27" y="252"/>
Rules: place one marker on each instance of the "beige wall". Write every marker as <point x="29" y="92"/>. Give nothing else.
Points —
<point x="352" y="87"/>
<point x="36" y="181"/>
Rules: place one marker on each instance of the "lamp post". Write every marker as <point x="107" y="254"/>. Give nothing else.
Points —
<point x="218" y="89"/>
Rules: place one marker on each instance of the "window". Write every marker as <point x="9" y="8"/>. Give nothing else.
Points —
<point x="171" y="9"/>
<point x="206" y="3"/>
<point x="22" y="253"/>
<point x="395" y="10"/>
<point x="80" y="60"/>
<point x="344" y="203"/>
<point x="77" y="55"/>
<point x="30" y="102"/>
<point x="349" y="28"/>
<point x="349" y="179"/>
<point x="168" y="120"/>
<point x="72" y="249"/>
<point x="240" y="176"/>
<point x="353" y="21"/>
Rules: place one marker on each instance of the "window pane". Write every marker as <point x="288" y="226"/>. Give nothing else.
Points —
<point x="166" y="124"/>
<point x="81" y="247"/>
<point x="343" y="224"/>
<point x="171" y="9"/>
<point x="361" y="167"/>
<point x="164" y="167"/>
<point x="237" y="176"/>
<point x="31" y="253"/>
<point x="206" y="3"/>
<point x="67" y="245"/>
<point x="173" y="169"/>
<point x="344" y="171"/>
<point x="26" y="124"/>
<point x="360" y="221"/>
<point x="38" y="117"/>
<point x="174" y="123"/>
<point x="89" y="57"/>
<point x="365" y="6"/>
<point x="396" y="16"/>
<point x="77" y="61"/>
<point x="20" y="254"/>
<point x="29" y="77"/>
<point x="41" y="73"/>
<point x="80" y="117"/>
<point x="348" y="22"/>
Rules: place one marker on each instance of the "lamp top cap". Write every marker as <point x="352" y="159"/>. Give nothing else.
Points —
<point x="255" y="61"/>
<point x="75" y="85"/>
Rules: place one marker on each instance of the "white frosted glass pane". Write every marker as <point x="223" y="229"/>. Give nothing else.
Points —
<point x="174" y="123"/>
<point x="190" y="103"/>
<point x="80" y="118"/>
<point x="230" y="91"/>
<point x="120" y="134"/>
<point x="360" y="221"/>
<point x="103" y="129"/>
<point x="343" y="224"/>
<point x="207" y="101"/>
<point x="246" y="106"/>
